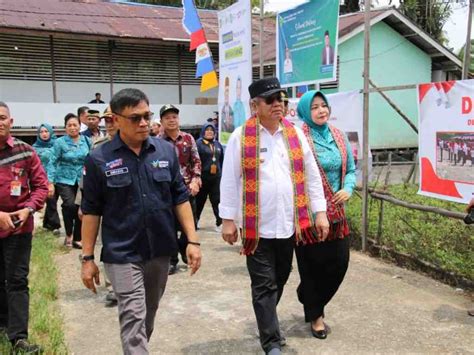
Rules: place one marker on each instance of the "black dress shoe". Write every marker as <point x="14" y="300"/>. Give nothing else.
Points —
<point x="172" y="269"/>
<point x="22" y="346"/>
<point x="320" y="334"/>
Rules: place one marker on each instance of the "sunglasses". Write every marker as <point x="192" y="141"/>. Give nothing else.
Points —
<point x="278" y="96"/>
<point x="148" y="116"/>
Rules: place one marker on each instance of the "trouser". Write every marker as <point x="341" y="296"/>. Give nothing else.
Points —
<point x="72" y="223"/>
<point x="269" y="268"/>
<point x="441" y="154"/>
<point x="210" y="187"/>
<point x="139" y="288"/>
<point x="51" y="216"/>
<point x="322" y="267"/>
<point x="15" y="252"/>
<point x="183" y="238"/>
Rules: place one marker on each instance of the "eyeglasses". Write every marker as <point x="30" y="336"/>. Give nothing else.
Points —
<point x="279" y="96"/>
<point x="147" y="116"/>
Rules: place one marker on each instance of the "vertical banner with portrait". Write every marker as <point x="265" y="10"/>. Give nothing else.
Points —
<point x="347" y="115"/>
<point x="235" y="67"/>
<point x="306" y="43"/>
<point x="446" y="140"/>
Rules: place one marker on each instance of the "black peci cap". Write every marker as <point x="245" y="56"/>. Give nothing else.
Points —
<point x="265" y="87"/>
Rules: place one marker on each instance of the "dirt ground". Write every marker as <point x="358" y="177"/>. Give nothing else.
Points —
<point x="379" y="308"/>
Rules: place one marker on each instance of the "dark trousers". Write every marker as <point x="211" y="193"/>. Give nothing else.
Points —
<point x="269" y="268"/>
<point x="210" y="187"/>
<point x="15" y="254"/>
<point x="322" y="267"/>
<point x="72" y="223"/>
<point x="51" y="216"/>
<point x="183" y="238"/>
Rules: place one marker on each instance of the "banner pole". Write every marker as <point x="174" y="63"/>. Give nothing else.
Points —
<point x="467" y="47"/>
<point x="365" y="166"/>
<point x="261" y="38"/>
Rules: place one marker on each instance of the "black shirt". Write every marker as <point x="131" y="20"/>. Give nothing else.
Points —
<point x="210" y="152"/>
<point x="135" y="195"/>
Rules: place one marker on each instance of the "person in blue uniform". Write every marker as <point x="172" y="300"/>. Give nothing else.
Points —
<point x="134" y="183"/>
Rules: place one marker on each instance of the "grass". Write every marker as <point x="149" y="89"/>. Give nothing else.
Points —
<point x="445" y="242"/>
<point x="45" y="324"/>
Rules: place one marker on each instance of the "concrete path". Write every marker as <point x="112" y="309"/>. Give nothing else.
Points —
<point x="379" y="308"/>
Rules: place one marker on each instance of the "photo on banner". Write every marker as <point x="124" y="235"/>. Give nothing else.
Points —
<point x="347" y="115"/>
<point x="306" y="43"/>
<point x="235" y="67"/>
<point x="446" y="140"/>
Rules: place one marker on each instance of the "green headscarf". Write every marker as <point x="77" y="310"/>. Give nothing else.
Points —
<point x="304" y="112"/>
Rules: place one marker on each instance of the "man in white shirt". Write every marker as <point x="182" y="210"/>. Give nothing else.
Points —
<point x="82" y="113"/>
<point x="269" y="263"/>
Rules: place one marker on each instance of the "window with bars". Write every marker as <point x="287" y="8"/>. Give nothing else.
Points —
<point x="81" y="60"/>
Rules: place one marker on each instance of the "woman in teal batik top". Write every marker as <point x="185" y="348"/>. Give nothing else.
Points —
<point x="322" y="265"/>
<point x="70" y="152"/>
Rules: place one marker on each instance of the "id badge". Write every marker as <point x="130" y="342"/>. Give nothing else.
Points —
<point x="15" y="188"/>
<point x="213" y="170"/>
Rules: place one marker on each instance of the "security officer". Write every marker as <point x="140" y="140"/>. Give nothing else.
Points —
<point x="134" y="183"/>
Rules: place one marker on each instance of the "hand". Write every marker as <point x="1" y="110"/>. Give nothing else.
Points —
<point x="6" y="222"/>
<point x="194" y="187"/>
<point x="322" y="225"/>
<point x="50" y="190"/>
<point x="80" y="214"/>
<point x="90" y="275"/>
<point x="22" y="215"/>
<point x="193" y="253"/>
<point x="229" y="231"/>
<point x="341" y="196"/>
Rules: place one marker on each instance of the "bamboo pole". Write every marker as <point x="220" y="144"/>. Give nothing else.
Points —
<point x="467" y="47"/>
<point x="365" y="165"/>
<point x="414" y="206"/>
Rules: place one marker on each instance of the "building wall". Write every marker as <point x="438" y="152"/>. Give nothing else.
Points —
<point x="394" y="61"/>
<point x="72" y="92"/>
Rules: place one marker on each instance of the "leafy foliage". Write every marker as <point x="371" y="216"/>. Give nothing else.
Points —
<point x="430" y="15"/>
<point x="445" y="242"/>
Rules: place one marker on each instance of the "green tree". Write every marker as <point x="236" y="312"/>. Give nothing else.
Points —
<point x="461" y="56"/>
<point x="430" y="15"/>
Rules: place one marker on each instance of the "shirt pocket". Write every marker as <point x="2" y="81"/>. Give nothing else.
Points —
<point x="162" y="187"/>
<point x="119" y="181"/>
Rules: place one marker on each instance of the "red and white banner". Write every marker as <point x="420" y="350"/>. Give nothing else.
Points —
<point x="446" y="140"/>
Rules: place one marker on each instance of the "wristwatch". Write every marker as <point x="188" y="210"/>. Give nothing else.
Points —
<point x="85" y="258"/>
<point x="32" y="210"/>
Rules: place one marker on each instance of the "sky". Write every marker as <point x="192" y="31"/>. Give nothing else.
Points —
<point x="455" y="28"/>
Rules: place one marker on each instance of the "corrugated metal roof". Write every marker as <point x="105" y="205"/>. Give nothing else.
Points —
<point x="108" y="19"/>
<point x="125" y="20"/>
<point x="101" y="19"/>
